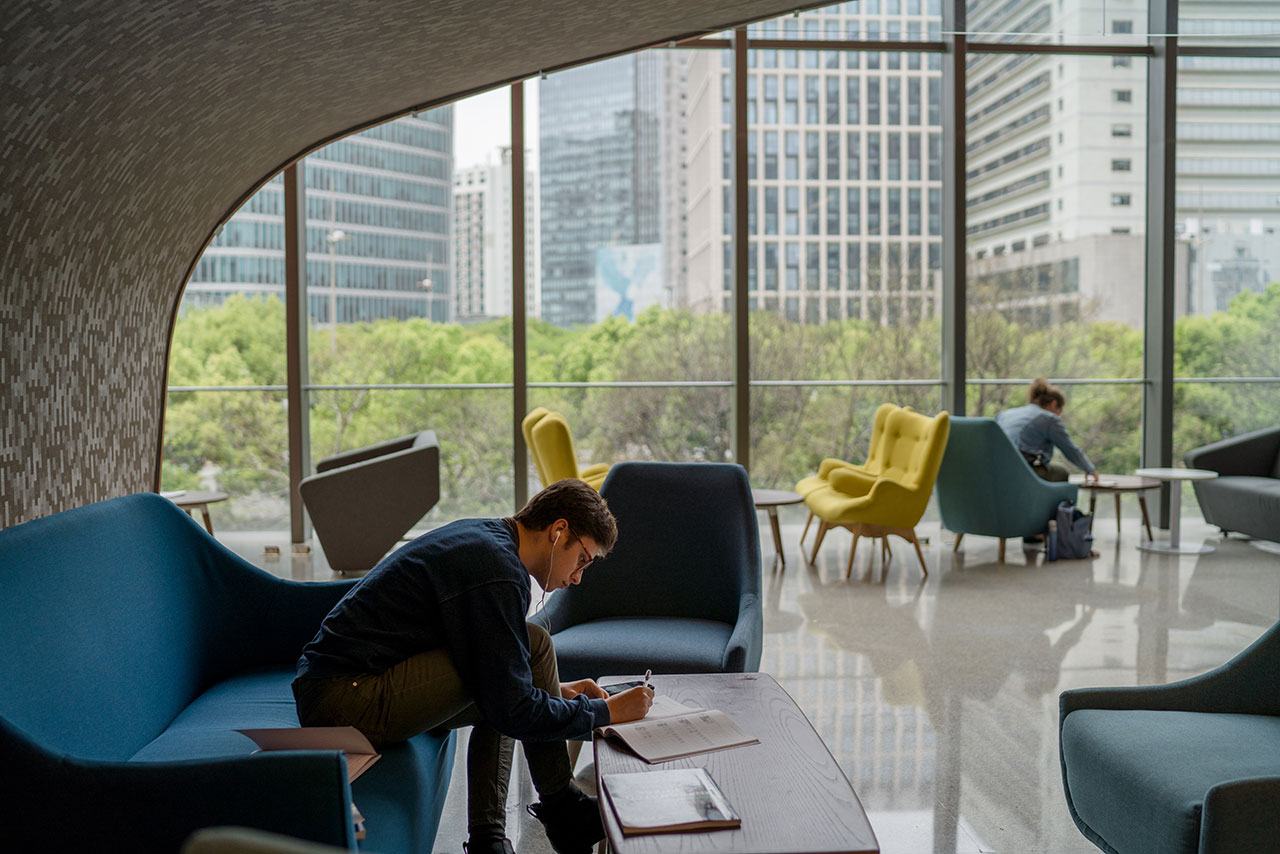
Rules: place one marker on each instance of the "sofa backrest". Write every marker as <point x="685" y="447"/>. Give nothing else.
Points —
<point x="909" y="445"/>
<point x="113" y="619"/>
<point x="688" y="545"/>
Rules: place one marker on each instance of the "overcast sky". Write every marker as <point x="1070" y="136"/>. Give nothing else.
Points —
<point x="483" y="123"/>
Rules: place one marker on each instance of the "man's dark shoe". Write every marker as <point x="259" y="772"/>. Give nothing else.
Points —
<point x="572" y="821"/>
<point x="488" y="846"/>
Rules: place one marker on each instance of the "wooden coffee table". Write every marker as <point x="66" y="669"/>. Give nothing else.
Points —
<point x="769" y="500"/>
<point x="199" y="500"/>
<point x="1119" y="484"/>
<point x="788" y="789"/>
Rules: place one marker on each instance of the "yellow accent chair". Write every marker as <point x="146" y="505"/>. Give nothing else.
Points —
<point x="871" y="467"/>
<point x="550" y="443"/>
<point x="887" y="495"/>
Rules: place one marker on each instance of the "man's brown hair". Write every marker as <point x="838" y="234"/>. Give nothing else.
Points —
<point x="578" y="504"/>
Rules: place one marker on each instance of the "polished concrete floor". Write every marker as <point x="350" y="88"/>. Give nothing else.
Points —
<point x="939" y="697"/>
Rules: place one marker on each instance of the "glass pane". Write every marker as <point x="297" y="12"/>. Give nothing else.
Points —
<point x="1063" y="22"/>
<point x="229" y="333"/>
<point x="1238" y="24"/>
<point x="860" y="20"/>
<point x="850" y="280"/>
<point x="1056" y="207"/>
<point x="1228" y="255"/>
<point x="226" y="441"/>
<point x="409" y="229"/>
<point x="635" y="210"/>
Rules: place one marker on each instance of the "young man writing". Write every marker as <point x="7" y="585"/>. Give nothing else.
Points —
<point x="434" y="637"/>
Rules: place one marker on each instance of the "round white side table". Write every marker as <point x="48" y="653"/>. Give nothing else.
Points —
<point x="1175" y="477"/>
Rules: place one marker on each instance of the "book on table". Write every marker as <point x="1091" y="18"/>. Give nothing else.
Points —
<point x="673" y="730"/>
<point x="677" y="801"/>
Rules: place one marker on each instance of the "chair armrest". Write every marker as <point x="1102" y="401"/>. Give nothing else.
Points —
<point x="830" y="464"/>
<point x="52" y="803"/>
<point x="1241" y="816"/>
<point x="851" y="480"/>
<point x="1245" y="685"/>
<point x="1253" y="454"/>
<point x="369" y="452"/>
<point x="742" y="653"/>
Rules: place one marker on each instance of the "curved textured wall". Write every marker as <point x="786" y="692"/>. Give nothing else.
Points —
<point x="129" y="129"/>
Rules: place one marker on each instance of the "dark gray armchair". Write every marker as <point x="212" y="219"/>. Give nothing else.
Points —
<point x="1245" y="497"/>
<point x="362" y="502"/>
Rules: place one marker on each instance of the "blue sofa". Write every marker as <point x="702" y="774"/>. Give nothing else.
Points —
<point x="1192" y="767"/>
<point x="680" y="593"/>
<point x="1245" y="497"/>
<point x="132" y="646"/>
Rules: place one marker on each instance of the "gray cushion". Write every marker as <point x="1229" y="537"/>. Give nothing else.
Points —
<point x="1139" y="778"/>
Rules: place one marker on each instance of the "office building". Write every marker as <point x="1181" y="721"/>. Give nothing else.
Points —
<point x="482" y="252"/>
<point x="845" y="167"/>
<point x="378" y="220"/>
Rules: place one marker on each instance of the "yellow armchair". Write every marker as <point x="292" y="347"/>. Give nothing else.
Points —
<point x="871" y="467"/>
<point x="888" y="495"/>
<point x="550" y="443"/>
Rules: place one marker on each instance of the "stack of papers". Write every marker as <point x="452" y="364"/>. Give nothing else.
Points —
<point x="673" y="730"/>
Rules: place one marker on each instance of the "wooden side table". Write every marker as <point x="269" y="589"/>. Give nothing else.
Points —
<point x="189" y="501"/>
<point x="1175" y="477"/>
<point x="1118" y="485"/>
<point x="769" y="500"/>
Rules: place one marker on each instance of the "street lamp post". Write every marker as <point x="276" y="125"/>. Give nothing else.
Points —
<point x="427" y="285"/>
<point x="333" y="238"/>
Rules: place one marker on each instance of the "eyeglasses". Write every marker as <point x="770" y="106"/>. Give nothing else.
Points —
<point x="589" y="557"/>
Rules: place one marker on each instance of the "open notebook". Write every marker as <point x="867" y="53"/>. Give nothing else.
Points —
<point x="673" y="730"/>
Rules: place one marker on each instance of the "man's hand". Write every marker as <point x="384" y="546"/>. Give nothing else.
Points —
<point x="630" y="705"/>
<point x="569" y="690"/>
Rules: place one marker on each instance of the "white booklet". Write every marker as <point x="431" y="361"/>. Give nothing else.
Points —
<point x="348" y="739"/>
<point x="668" y="802"/>
<point x="673" y="730"/>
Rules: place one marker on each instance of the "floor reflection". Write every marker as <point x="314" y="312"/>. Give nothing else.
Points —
<point x="940" y="698"/>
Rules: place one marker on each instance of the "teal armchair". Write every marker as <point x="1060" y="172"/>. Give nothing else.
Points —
<point x="1193" y="766"/>
<point x="986" y="488"/>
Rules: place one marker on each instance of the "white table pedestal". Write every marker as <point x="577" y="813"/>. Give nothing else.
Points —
<point x="1174" y="544"/>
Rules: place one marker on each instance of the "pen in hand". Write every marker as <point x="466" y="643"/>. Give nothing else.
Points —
<point x="647" y="675"/>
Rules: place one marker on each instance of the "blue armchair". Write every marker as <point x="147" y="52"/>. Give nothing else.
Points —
<point x="132" y="646"/>
<point x="680" y="593"/>
<point x="1193" y="766"/>
<point x="985" y="487"/>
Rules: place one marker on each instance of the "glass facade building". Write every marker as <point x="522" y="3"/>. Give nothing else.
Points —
<point x="600" y="184"/>
<point x="378" y="227"/>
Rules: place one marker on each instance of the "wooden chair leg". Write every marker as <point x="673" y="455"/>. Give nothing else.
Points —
<point x="1002" y="549"/>
<point x="575" y="748"/>
<point x="1117" y="514"/>
<point x="924" y="567"/>
<point x="817" y="542"/>
<point x="956" y="546"/>
<point x="807" y="523"/>
<point x="853" y="551"/>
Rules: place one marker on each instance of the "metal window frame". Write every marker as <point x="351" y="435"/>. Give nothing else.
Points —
<point x="1158" y="380"/>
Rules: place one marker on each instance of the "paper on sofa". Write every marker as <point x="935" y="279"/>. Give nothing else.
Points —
<point x="348" y="739"/>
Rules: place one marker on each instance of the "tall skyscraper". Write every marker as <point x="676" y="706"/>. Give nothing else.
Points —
<point x="845" y="168"/>
<point x="600" y="179"/>
<point x="378" y="226"/>
<point x="482" y="252"/>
